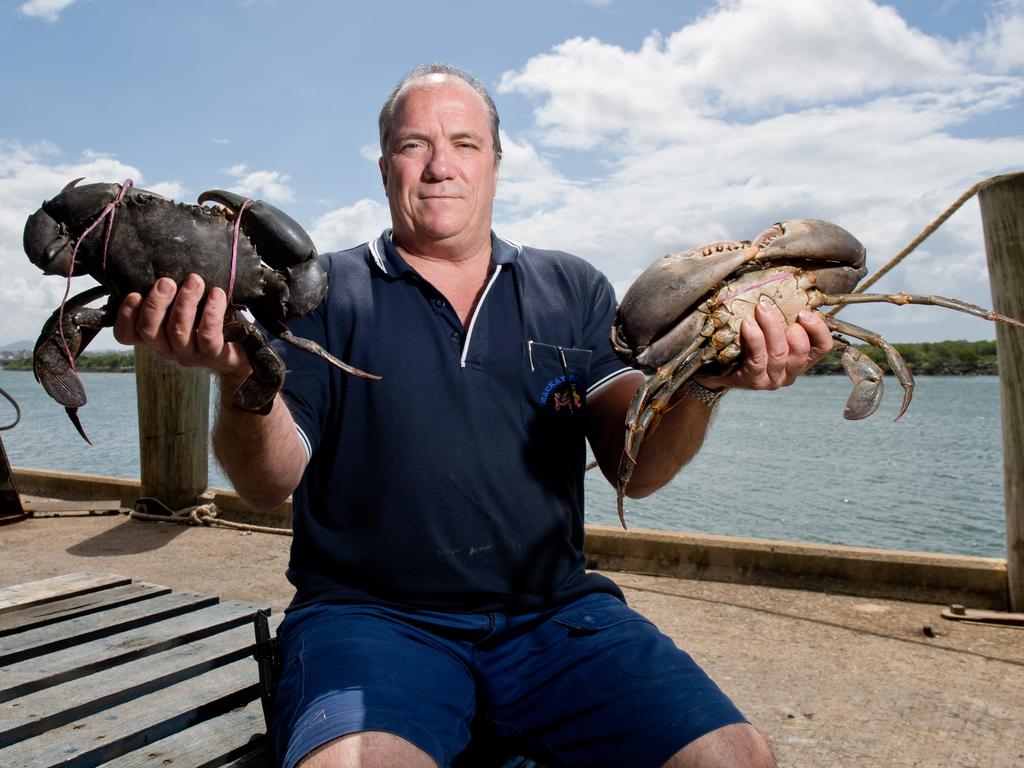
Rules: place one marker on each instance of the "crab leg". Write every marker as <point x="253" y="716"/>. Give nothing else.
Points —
<point x="65" y="335"/>
<point x="315" y="349"/>
<point x="868" y="385"/>
<point x="935" y="301"/>
<point x="650" y="402"/>
<point x="895" y="359"/>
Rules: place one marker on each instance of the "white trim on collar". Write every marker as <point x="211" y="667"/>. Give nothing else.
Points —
<point x="476" y="314"/>
<point x="517" y="246"/>
<point x="375" y="246"/>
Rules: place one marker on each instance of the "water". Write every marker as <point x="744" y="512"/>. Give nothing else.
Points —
<point x="778" y="465"/>
<point x="46" y="439"/>
<point x="786" y="465"/>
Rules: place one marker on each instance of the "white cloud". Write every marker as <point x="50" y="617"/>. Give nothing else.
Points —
<point x="371" y="152"/>
<point x="746" y="58"/>
<point x="529" y="181"/>
<point x="344" y="227"/>
<point x="267" y="185"/>
<point x="30" y="174"/>
<point x="1001" y="46"/>
<point x="762" y="110"/>
<point x="47" y="10"/>
<point x="171" y="188"/>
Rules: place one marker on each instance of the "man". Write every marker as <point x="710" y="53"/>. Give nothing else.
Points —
<point x="438" y="512"/>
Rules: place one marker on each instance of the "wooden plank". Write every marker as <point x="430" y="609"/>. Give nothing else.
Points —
<point x="232" y="736"/>
<point x="57" y="705"/>
<point x="44" y="507"/>
<point x="36" y="642"/>
<point x="130" y="726"/>
<point x="60" y="666"/>
<point x="40" y="615"/>
<point x="57" y="588"/>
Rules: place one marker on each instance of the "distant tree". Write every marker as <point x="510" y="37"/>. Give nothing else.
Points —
<point x="927" y="358"/>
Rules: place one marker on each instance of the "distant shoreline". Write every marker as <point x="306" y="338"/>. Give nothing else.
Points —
<point x="936" y="358"/>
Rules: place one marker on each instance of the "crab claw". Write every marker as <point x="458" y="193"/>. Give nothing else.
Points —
<point x="280" y="240"/>
<point x="664" y="292"/>
<point x="55" y="352"/>
<point x="868" y="386"/>
<point x="811" y="239"/>
<point x="47" y="243"/>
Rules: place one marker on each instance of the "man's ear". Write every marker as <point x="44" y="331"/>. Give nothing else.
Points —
<point x="383" y="166"/>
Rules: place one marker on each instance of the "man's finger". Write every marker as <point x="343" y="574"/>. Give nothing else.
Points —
<point x="799" y="352"/>
<point x="818" y="333"/>
<point x="181" y="320"/>
<point x="124" y="321"/>
<point x="149" y="325"/>
<point x="776" y="343"/>
<point x="210" y="332"/>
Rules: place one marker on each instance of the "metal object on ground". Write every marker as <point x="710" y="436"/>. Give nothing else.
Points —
<point x="10" y="501"/>
<point x="958" y="612"/>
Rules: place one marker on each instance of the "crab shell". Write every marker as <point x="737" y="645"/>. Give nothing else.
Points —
<point x="658" y="316"/>
<point x="151" y="237"/>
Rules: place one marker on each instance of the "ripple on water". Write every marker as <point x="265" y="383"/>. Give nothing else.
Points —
<point x="778" y="465"/>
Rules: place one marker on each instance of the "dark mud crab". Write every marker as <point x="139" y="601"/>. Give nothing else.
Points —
<point x="684" y="313"/>
<point x="127" y="238"/>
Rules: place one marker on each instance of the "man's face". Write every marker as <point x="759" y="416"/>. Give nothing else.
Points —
<point x="439" y="171"/>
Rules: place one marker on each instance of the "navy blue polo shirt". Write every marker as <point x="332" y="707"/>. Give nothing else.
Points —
<point x="456" y="481"/>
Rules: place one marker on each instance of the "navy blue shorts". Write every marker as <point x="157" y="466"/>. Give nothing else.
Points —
<point x="591" y="684"/>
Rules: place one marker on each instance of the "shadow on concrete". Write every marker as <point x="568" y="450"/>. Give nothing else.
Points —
<point x="129" y="538"/>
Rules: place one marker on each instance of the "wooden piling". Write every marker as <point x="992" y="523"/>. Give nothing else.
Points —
<point x="174" y="428"/>
<point x="1002" y="216"/>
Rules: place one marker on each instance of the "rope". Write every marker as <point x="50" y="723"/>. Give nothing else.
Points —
<point x="925" y="233"/>
<point x="234" y="249"/>
<point x="108" y="211"/>
<point x="17" y="410"/>
<point x="201" y="514"/>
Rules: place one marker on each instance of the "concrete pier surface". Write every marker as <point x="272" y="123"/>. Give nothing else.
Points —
<point x="830" y="679"/>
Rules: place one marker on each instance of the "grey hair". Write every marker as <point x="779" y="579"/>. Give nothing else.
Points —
<point x="387" y="113"/>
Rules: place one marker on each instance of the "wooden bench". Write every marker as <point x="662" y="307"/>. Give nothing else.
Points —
<point x="96" y="669"/>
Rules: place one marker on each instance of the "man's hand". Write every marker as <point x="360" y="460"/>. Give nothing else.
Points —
<point x="262" y="455"/>
<point x="165" y="319"/>
<point x="775" y="354"/>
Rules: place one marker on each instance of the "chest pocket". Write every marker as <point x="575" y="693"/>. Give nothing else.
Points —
<point x="556" y="381"/>
<point x="554" y="405"/>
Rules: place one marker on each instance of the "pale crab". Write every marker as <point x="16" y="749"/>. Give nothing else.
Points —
<point x="684" y="312"/>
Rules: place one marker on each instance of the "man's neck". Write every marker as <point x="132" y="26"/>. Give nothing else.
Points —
<point x="459" y="274"/>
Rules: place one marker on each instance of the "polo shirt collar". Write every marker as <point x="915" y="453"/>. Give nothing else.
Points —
<point x="389" y="261"/>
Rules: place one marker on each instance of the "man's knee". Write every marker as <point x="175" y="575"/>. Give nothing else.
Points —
<point x="732" y="746"/>
<point x="372" y="749"/>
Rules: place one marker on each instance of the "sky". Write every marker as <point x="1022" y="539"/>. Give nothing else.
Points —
<point x="630" y="128"/>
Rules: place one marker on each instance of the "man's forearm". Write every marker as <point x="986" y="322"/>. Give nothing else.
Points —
<point x="670" y="445"/>
<point x="262" y="455"/>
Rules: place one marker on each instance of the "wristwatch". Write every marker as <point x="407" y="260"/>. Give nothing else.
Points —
<point x="709" y="397"/>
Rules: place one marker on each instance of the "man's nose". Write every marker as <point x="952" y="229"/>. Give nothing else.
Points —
<point x="439" y="165"/>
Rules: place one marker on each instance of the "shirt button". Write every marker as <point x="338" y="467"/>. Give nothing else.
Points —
<point x="455" y="335"/>
<point x="439" y="303"/>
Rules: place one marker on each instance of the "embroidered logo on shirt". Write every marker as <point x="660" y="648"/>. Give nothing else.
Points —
<point x="562" y="395"/>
